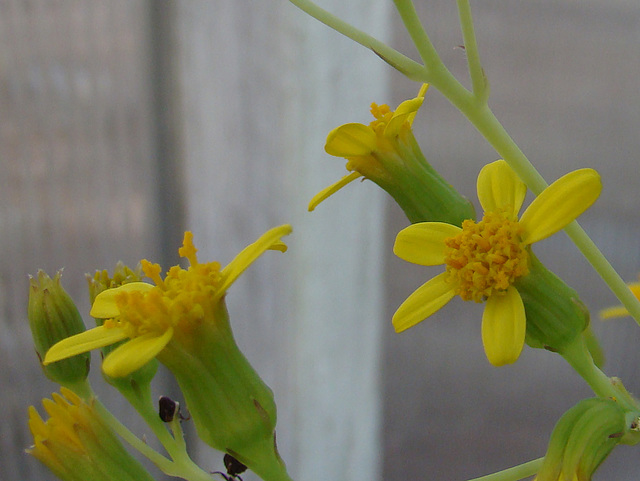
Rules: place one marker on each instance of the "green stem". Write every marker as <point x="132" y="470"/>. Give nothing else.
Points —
<point x="578" y="356"/>
<point x="181" y="464"/>
<point x="400" y="62"/>
<point x="513" y="474"/>
<point x="479" y="83"/>
<point x="421" y="40"/>
<point x="147" y="451"/>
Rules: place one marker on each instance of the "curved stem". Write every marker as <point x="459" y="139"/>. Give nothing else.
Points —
<point x="513" y="474"/>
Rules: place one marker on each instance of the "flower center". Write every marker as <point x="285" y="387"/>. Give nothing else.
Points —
<point x="486" y="257"/>
<point x="382" y="114"/>
<point x="182" y="300"/>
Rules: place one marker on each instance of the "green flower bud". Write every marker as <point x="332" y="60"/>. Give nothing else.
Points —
<point x="583" y="438"/>
<point x="53" y="316"/>
<point x="555" y="314"/>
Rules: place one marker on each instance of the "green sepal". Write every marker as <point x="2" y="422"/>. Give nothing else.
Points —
<point x="420" y="191"/>
<point x="555" y="314"/>
<point x="232" y="408"/>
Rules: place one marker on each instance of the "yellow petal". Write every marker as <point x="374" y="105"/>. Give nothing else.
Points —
<point x="499" y="188"/>
<point x="503" y="327"/>
<point x="405" y="111"/>
<point x="423" y="243"/>
<point x="134" y="354"/>
<point x="421" y="94"/>
<point x="559" y="204"/>
<point x="104" y="305"/>
<point x="249" y="254"/>
<point x="351" y="140"/>
<point x="426" y="300"/>
<point x="84" y="342"/>
<point x="332" y="189"/>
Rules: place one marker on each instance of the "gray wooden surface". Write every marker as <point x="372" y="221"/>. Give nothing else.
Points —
<point x="79" y="143"/>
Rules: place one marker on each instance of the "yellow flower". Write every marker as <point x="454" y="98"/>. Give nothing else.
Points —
<point x="152" y="316"/>
<point x="387" y="153"/>
<point x="484" y="259"/>
<point x="620" y="311"/>
<point x="77" y="445"/>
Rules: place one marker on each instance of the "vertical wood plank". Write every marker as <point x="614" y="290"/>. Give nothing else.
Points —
<point x="262" y="85"/>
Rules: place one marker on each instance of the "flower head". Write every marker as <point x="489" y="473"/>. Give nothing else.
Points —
<point x="151" y="316"/>
<point x="485" y="260"/>
<point x="77" y="445"/>
<point x="386" y="152"/>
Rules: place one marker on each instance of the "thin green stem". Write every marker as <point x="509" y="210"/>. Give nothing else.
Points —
<point x="147" y="451"/>
<point x="421" y="40"/>
<point x="479" y="83"/>
<point x="394" y="58"/>
<point x="578" y="356"/>
<point x="513" y="474"/>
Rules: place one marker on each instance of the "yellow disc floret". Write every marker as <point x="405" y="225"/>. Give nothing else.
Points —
<point x="182" y="300"/>
<point x="486" y="257"/>
<point x="383" y="115"/>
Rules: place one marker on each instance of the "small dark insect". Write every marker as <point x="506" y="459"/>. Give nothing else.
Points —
<point x="234" y="468"/>
<point x="168" y="408"/>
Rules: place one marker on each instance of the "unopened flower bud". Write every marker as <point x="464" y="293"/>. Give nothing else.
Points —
<point x="53" y="316"/>
<point x="583" y="438"/>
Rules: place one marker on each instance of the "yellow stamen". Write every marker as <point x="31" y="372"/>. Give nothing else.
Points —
<point x="486" y="257"/>
<point x="188" y="250"/>
<point x="152" y="271"/>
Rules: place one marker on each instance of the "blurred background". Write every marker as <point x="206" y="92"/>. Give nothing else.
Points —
<point x="123" y="123"/>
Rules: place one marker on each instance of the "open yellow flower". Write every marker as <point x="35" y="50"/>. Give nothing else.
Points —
<point x="387" y="153"/>
<point x="152" y="316"/>
<point x="484" y="259"/>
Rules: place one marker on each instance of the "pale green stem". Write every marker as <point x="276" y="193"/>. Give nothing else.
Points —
<point x="419" y="36"/>
<point x="147" y="451"/>
<point x="181" y="464"/>
<point x="514" y="474"/>
<point x="394" y="58"/>
<point x="479" y="83"/>
<point x="578" y="356"/>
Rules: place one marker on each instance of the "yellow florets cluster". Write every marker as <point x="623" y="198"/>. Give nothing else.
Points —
<point x="183" y="299"/>
<point x="486" y="256"/>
